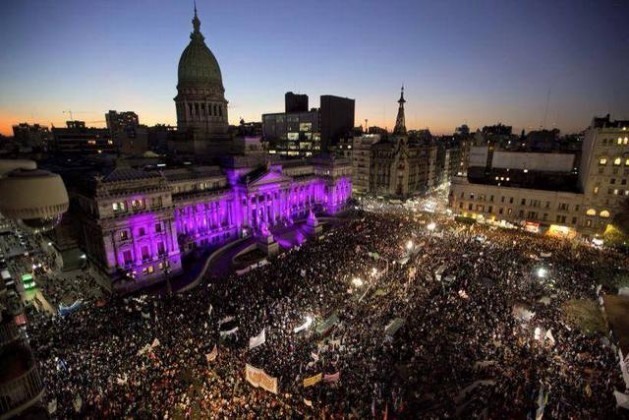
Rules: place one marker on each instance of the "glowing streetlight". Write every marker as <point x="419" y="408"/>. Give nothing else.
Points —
<point x="541" y="273"/>
<point x="409" y="245"/>
<point x="431" y="226"/>
<point x="357" y="282"/>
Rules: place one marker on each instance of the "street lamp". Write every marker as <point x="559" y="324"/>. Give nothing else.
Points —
<point x="166" y="271"/>
<point x="431" y="226"/>
<point x="357" y="282"/>
<point x="541" y="273"/>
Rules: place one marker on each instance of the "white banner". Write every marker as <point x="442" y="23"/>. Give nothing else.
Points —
<point x="229" y="332"/>
<point x="225" y="320"/>
<point x="257" y="340"/>
<point x="259" y="378"/>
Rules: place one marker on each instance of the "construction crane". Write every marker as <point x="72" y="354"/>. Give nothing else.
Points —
<point x="68" y="111"/>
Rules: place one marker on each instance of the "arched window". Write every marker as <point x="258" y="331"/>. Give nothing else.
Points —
<point x="604" y="213"/>
<point x="591" y="212"/>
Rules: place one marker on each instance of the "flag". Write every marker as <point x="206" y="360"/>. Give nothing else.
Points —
<point x="77" y="403"/>
<point x="622" y="400"/>
<point x="549" y="337"/>
<point x="211" y="356"/>
<point x="122" y="380"/>
<point x="303" y="326"/>
<point x="313" y="380"/>
<point x="332" y="378"/>
<point x="393" y="326"/>
<point x="623" y="368"/>
<point x="257" y="340"/>
<point x="52" y="406"/>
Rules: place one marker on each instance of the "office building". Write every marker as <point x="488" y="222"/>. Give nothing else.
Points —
<point x="77" y="139"/>
<point x="294" y="102"/>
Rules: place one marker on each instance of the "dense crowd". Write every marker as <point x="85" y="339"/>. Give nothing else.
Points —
<point x="460" y="348"/>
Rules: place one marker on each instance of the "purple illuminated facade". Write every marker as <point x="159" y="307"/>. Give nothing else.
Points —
<point x="137" y="225"/>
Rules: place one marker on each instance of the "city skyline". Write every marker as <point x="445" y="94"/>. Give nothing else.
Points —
<point x="478" y="65"/>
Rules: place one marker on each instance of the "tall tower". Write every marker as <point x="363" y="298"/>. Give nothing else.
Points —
<point x="200" y="101"/>
<point x="400" y="122"/>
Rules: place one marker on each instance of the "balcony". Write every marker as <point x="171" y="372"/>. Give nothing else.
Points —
<point x="8" y="333"/>
<point x="21" y="387"/>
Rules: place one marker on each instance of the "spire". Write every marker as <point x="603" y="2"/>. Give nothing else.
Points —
<point x="196" y="24"/>
<point x="400" y="122"/>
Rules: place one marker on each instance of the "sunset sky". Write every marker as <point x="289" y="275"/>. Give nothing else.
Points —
<point x="474" y="62"/>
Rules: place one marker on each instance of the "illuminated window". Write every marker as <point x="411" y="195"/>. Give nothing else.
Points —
<point x="617" y="161"/>
<point x="604" y="213"/>
<point x="602" y="161"/>
<point x="93" y="142"/>
<point x="627" y="162"/>
<point x="596" y="189"/>
<point x="150" y="269"/>
<point x="110" y="142"/>
<point x="616" y="191"/>
<point x="619" y="140"/>
<point x="626" y="140"/>
<point x="124" y="235"/>
<point x="591" y="212"/>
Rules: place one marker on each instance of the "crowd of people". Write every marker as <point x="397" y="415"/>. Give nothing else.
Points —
<point x="408" y="321"/>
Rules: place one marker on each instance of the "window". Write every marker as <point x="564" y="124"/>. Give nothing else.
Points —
<point x="627" y="162"/>
<point x="617" y="161"/>
<point x="588" y="223"/>
<point x="604" y="213"/>
<point x="141" y="231"/>
<point x="460" y="205"/>
<point x="145" y="253"/>
<point x="469" y="206"/>
<point x="612" y="181"/>
<point x="510" y="200"/>
<point x="124" y="235"/>
<point x="574" y="220"/>
<point x="561" y="219"/>
<point x="158" y="228"/>
<point x="577" y="207"/>
<point x="602" y="161"/>
<point x="596" y="189"/>
<point x="490" y="210"/>
<point x="127" y="257"/>
<point x="563" y="207"/>
<point x="509" y="212"/>
<point x="523" y="202"/>
<point x="119" y="206"/>
<point x="616" y="191"/>
<point x="502" y="199"/>
<point x="500" y="210"/>
<point x="619" y="140"/>
<point x="545" y="217"/>
<point x="150" y="269"/>
<point x="161" y="250"/>
<point x="591" y="212"/>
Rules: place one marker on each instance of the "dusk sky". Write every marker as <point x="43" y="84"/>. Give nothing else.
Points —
<point x="478" y="62"/>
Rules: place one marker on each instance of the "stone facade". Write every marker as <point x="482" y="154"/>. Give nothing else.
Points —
<point x="603" y="185"/>
<point x="138" y="224"/>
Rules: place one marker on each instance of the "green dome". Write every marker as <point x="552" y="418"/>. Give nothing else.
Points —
<point x="198" y="66"/>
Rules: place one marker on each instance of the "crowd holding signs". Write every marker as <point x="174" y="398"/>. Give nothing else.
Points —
<point x="301" y="337"/>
